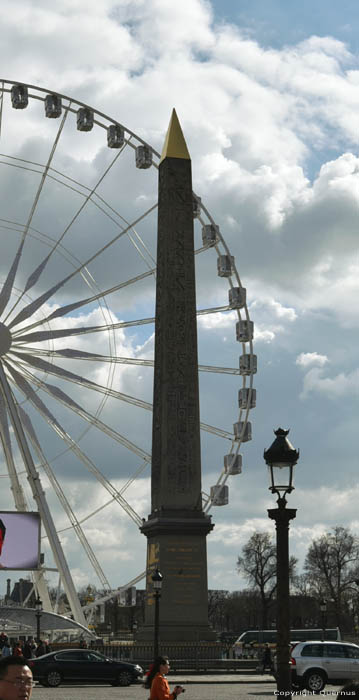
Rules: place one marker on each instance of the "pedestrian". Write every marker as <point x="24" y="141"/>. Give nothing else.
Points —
<point x="157" y="682"/>
<point x="350" y="690"/>
<point x="17" y="649"/>
<point x="29" y="648"/>
<point x="16" y="682"/>
<point x="267" y="659"/>
<point x="6" y="650"/>
<point x="41" y="649"/>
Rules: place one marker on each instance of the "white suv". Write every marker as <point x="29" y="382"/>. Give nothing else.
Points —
<point x="315" y="663"/>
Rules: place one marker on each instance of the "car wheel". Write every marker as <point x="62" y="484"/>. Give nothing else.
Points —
<point x="315" y="681"/>
<point x="124" y="678"/>
<point x="53" y="678"/>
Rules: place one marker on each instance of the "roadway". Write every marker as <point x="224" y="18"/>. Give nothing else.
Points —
<point x="197" y="688"/>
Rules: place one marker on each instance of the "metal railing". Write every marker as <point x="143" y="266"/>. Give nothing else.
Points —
<point x="198" y="657"/>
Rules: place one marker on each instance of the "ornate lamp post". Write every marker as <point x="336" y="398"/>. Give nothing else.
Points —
<point x="281" y="458"/>
<point x="157" y="579"/>
<point x="38" y="608"/>
<point x="323" y="610"/>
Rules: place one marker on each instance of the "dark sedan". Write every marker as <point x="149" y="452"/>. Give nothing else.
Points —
<point x="82" y="665"/>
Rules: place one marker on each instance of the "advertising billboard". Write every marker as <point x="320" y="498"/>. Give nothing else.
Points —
<point x="19" y="540"/>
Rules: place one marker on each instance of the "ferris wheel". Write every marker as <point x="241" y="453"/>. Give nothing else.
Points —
<point x="77" y="298"/>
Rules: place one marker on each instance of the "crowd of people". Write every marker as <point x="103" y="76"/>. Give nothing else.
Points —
<point x="29" y="649"/>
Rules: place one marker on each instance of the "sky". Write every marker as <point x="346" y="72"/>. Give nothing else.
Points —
<point x="267" y="93"/>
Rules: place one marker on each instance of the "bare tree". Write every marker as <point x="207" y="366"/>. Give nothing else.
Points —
<point x="216" y="609"/>
<point x="259" y="566"/>
<point x="332" y="565"/>
<point x="244" y="610"/>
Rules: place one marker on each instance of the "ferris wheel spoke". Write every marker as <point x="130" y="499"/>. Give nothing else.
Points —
<point x="9" y="282"/>
<point x="68" y="308"/>
<point x="18" y="493"/>
<point x="128" y="483"/>
<point x="62" y="498"/>
<point x="114" y="594"/>
<point x="40" y="336"/>
<point x="218" y="370"/>
<point x="217" y="431"/>
<point x="50" y="368"/>
<point x="52" y="335"/>
<point x="63" y="398"/>
<point x="35" y="305"/>
<point x="213" y="310"/>
<point x="68" y="353"/>
<point x="44" y="411"/>
<point x="38" y="271"/>
<point x="36" y="274"/>
<point x="135" y="233"/>
<point x="93" y="196"/>
<point x="8" y="285"/>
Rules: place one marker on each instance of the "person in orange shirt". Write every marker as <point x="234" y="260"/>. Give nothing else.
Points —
<point x="156" y="680"/>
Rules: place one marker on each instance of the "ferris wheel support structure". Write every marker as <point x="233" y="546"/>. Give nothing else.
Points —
<point x="39" y="496"/>
<point x="19" y="499"/>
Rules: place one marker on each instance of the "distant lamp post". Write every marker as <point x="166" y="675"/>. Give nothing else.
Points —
<point x="157" y="579"/>
<point x="281" y="458"/>
<point x="323" y="611"/>
<point x="38" y="613"/>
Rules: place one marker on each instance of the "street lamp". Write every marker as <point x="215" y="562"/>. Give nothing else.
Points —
<point x="281" y="458"/>
<point x="157" y="579"/>
<point x="38" y="608"/>
<point x="323" y="610"/>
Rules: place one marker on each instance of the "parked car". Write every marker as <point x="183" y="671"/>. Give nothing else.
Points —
<point x="313" y="664"/>
<point x="84" y="665"/>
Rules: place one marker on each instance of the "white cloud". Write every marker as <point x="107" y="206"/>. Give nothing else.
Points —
<point x="218" y="321"/>
<point x="308" y="359"/>
<point x="332" y="387"/>
<point x="274" y="307"/>
<point x="264" y="336"/>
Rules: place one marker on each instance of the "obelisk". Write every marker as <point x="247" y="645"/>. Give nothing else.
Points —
<point x="176" y="528"/>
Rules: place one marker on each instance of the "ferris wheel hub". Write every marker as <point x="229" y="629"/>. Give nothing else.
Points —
<point x="5" y="339"/>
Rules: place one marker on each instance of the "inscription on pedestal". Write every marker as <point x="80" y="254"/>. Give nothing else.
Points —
<point x="184" y="570"/>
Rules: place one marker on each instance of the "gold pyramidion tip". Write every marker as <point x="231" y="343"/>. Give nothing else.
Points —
<point x="175" y="145"/>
